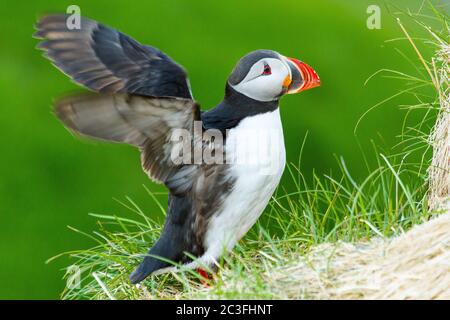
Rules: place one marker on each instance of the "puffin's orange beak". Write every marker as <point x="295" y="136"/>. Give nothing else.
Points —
<point x="303" y="76"/>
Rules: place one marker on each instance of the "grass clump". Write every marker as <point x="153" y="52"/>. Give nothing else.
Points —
<point x="327" y="210"/>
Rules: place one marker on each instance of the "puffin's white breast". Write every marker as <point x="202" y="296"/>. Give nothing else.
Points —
<point x="255" y="149"/>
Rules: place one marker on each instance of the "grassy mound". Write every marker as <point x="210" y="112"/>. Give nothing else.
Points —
<point x="414" y="265"/>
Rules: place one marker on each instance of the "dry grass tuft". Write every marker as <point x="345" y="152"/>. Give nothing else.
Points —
<point x="439" y="175"/>
<point x="415" y="265"/>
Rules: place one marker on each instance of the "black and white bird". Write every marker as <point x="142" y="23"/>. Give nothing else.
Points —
<point x="143" y="96"/>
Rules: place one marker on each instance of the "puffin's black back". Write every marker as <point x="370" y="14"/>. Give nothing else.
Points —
<point x="176" y="238"/>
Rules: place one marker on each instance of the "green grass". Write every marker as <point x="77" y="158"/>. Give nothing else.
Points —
<point x="390" y="200"/>
<point x="320" y="208"/>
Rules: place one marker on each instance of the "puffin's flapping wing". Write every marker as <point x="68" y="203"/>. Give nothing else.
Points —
<point x="107" y="61"/>
<point x="145" y="122"/>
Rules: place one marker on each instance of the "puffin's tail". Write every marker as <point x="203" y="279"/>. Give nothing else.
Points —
<point x="150" y="264"/>
<point x="172" y="243"/>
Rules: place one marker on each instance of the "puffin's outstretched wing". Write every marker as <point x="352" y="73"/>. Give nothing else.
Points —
<point x="108" y="61"/>
<point x="145" y="122"/>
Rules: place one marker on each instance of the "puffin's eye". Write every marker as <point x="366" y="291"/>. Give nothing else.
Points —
<point x="267" y="70"/>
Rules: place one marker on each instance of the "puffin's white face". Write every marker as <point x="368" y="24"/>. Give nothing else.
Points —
<point x="266" y="80"/>
<point x="265" y="75"/>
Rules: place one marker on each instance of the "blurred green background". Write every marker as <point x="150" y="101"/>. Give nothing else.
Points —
<point x="49" y="179"/>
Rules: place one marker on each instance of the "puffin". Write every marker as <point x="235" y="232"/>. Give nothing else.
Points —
<point x="141" y="97"/>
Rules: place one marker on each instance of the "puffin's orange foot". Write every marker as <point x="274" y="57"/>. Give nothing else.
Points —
<point x="205" y="277"/>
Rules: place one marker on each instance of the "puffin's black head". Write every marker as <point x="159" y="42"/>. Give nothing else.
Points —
<point x="266" y="75"/>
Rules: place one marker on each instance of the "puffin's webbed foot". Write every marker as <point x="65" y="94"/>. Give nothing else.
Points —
<point x="205" y="277"/>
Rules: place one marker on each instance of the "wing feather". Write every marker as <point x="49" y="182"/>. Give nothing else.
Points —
<point x="107" y="61"/>
<point x="145" y="122"/>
